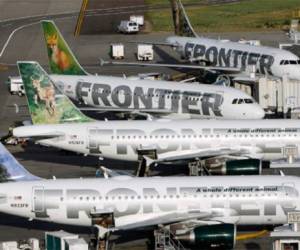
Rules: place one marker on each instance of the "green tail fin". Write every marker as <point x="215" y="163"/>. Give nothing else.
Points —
<point x="61" y="59"/>
<point x="46" y="103"/>
<point x="181" y="21"/>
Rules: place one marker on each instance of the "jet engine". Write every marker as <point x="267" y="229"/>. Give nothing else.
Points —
<point x="234" y="167"/>
<point x="219" y="236"/>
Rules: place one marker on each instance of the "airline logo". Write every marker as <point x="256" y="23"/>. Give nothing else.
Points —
<point x="123" y="96"/>
<point x="230" y="57"/>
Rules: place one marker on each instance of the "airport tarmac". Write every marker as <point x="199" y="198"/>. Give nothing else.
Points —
<point x="28" y="44"/>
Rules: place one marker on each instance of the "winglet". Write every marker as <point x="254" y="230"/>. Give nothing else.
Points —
<point x="61" y="58"/>
<point x="46" y="103"/>
<point x="11" y="169"/>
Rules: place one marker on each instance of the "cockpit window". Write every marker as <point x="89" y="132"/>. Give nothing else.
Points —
<point x="287" y="62"/>
<point x="234" y="101"/>
<point x="248" y="100"/>
<point x="242" y="101"/>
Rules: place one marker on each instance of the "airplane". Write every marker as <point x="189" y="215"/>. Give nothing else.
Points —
<point x="142" y="97"/>
<point x="226" y="58"/>
<point x="202" y="211"/>
<point x="58" y="123"/>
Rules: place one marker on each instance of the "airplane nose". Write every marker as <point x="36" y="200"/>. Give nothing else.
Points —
<point x="260" y="113"/>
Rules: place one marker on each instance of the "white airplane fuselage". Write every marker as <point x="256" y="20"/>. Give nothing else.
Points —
<point x="267" y="60"/>
<point x="263" y="139"/>
<point x="243" y="200"/>
<point x="162" y="98"/>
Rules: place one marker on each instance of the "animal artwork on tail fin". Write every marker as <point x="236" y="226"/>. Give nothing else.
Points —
<point x="47" y="105"/>
<point x="62" y="61"/>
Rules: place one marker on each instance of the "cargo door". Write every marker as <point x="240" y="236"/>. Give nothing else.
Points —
<point x="38" y="199"/>
<point x="92" y="138"/>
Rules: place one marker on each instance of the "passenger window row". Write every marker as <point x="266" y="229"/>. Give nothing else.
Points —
<point x="133" y="197"/>
<point x="200" y="136"/>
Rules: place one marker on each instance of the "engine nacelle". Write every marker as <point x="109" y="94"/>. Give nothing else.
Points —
<point x="236" y="167"/>
<point x="221" y="236"/>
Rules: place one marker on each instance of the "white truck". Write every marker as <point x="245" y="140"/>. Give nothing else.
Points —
<point x="128" y="27"/>
<point x="145" y="52"/>
<point x="16" y="86"/>
<point x="117" y="51"/>
<point x="139" y="19"/>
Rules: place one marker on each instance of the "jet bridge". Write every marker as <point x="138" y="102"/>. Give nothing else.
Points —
<point x="279" y="98"/>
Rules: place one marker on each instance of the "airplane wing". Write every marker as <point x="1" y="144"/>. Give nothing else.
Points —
<point x="190" y="218"/>
<point x="186" y="155"/>
<point x="27" y="131"/>
<point x="128" y="110"/>
<point x="228" y="70"/>
<point x="166" y="218"/>
<point x="147" y="113"/>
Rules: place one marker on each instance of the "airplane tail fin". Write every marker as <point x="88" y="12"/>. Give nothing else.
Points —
<point x="11" y="169"/>
<point x="181" y="21"/>
<point x="46" y="103"/>
<point x="61" y="58"/>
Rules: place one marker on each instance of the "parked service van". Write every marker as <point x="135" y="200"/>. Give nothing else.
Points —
<point x="128" y="27"/>
<point x="138" y="19"/>
<point x="16" y="86"/>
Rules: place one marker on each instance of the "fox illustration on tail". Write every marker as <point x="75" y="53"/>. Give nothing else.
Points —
<point x="46" y="103"/>
<point x="61" y="59"/>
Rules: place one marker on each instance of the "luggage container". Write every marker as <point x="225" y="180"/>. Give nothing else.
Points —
<point x="9" y="245"/>
<point x="139" y="19"/>
<point x="76" y="244"/>
<point x="145" y="52"/>
<point x="117" y="51"/>
<point x="16" y="86"/>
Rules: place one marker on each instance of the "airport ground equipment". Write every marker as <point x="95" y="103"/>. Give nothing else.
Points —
<point x="287" y="236"/>
<point x="9" y="245"/>
<point x="31" y="244"/>
<point x="117" y="51"/>
<point x="57" y="240"/>
<point x="164" y="240"/>
<point x="128" y="27"/>
<point x="76" y="244"/>
<point x="139" y="19"/>
<point x="145" y="52"/>
<point x="16" y="86"/>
